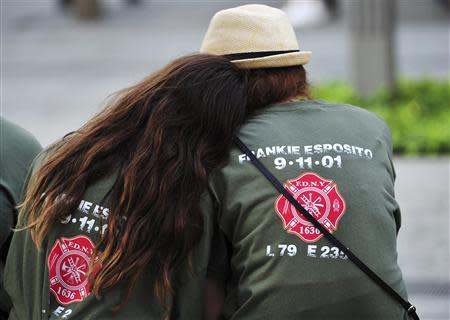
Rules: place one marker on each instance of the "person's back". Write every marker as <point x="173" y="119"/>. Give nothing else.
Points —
<point x="335" y="159"/>
<point x="336" y="162"/>
<point x="111" y="225"/>
<point x="52" y="283"/>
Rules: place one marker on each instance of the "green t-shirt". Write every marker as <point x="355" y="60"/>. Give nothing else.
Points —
<point x="18" y="148"/>
<point x="51" y="283"/>
<point x="336" y="160"/>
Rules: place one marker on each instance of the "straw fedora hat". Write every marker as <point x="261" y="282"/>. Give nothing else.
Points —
<point x="254" y="36"/>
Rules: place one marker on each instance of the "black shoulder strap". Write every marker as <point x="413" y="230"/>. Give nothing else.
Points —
<point x="410" y="309"/>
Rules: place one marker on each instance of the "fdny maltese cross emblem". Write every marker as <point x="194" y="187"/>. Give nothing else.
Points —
<point x="68" y="265"/>
<point x="320" y="197"/>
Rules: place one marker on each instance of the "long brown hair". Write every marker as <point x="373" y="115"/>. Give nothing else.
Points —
<point x="169" y="132"/>
<point x="272" y="85"/>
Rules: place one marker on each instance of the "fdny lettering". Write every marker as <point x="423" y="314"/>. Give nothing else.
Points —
<point x="323" y="148"/>
<point x="310" y="183"/>
<point x="86" y="249"/>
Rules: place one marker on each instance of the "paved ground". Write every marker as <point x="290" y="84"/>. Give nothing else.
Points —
<point x="56" y="71"/>
<point x="422" y="190"/>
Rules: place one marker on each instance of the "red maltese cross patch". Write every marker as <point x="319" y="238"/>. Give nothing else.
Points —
<point x="320" y="197"/>
<point x="68" y="265"/>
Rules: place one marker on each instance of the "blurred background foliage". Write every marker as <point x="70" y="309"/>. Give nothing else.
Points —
<point x="417" y="112"/>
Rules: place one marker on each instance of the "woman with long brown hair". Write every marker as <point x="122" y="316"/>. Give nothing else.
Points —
<point x="111" y="225"/>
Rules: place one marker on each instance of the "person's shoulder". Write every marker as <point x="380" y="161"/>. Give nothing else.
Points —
<point x="345" y="107"/>
<point x="14" y="134"/>
<point x="354" y="112"/>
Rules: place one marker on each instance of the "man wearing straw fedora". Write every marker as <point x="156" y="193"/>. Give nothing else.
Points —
<point x="332" y="255"/>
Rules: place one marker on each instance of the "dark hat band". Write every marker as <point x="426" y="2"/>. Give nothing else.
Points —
<point x="252" y="55"/>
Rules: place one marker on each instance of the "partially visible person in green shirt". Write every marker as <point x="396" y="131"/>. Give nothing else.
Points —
<point x="18" y="148"/>
<point x="112" y="225"/>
